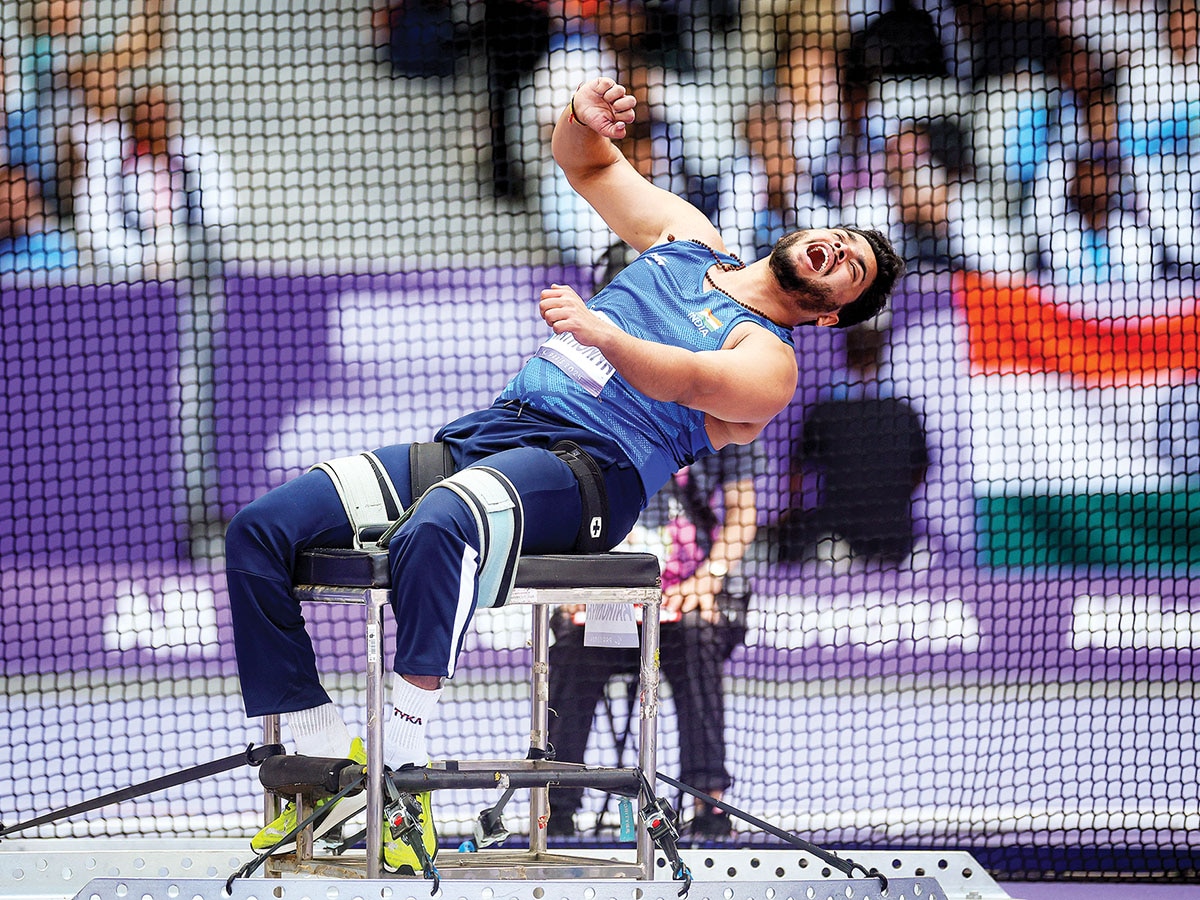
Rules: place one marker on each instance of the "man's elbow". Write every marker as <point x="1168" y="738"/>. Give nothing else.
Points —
<point x="738" y="432"/>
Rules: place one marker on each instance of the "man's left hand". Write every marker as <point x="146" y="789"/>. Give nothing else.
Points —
<point x="604" y="106"/>
<point x="564" y="310"/>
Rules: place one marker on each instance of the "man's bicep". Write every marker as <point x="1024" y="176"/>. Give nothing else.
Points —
<point x="750" y="382"/>
<point x="640" y="212"/>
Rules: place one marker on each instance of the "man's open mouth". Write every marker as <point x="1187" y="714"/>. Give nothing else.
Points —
<point x="818" y="256"/>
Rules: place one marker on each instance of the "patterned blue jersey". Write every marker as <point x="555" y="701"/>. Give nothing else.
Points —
<point x="661" y="296"/>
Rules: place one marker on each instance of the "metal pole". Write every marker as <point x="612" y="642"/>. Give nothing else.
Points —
<point x="375" y="601"/>
<point x="271" y="735"/>
<point x="648" y="749"/>
<point x="539" y="798"/>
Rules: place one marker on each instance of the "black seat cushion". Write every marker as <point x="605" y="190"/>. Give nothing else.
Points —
<point x="344" y="567"/>
<point x="568" y="570"/>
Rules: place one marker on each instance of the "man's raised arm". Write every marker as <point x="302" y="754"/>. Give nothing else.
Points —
<point x="640" y="213"/>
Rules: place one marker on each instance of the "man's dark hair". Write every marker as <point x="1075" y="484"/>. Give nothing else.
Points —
<point x="873" y="299"/>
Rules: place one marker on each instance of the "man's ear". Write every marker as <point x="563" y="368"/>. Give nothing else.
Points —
<point x="828" y="320"/>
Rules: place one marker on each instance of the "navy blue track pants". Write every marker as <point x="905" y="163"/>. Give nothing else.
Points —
<point x="432" y="557"/>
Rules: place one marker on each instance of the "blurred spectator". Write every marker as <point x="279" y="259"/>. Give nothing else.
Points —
<point x="867" y="451"/>
<point x="1033" y="85"/>
<point x="956" y="140"/>
<point x="517" y="36"/>
<point x="836" y="63"/>
<point x="944" y="204"/>
<point x="807" y="78"/>
<point x="1108" y="30"/>
<point x="931" y="202"/>
<point x="796" y="131"/>
<point x="148" y="196"/>
<point x="699" y="526"/>
<point x="1158" y="121"/>
<point x="27" y="239"/>
<point x="1134" y="212"/>
<point x="418" y="37"/>
<point x="925" y="161"/>
<point x="1092" y="230"/>
<point x="687" y="116"/>
<point x="59" y="61"/>
<point x="902" y="117"/>
<point x="29" y="236"/>
<point x="901" y="46"/>
<point x="959" y="163"/>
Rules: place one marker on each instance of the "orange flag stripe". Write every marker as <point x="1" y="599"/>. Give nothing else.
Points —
<point x="1018" y="328"/>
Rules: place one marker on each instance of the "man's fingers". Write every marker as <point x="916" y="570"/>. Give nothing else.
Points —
<point x="620" y="105"/>
<point x="613" y="92"/>
<point x="623" y="105"/>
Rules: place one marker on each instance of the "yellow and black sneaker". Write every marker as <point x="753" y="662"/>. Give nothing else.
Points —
<point x="398" y="856"/>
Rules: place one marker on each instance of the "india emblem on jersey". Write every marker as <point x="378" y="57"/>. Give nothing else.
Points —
<point x="1085" y="426"/>
<point x="706" y="321"/>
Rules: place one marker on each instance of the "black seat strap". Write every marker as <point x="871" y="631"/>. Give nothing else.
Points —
<point x="593" y="529"/>
<point x="428" y="462"/>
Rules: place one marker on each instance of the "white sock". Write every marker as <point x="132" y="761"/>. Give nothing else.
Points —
<point x="319" y="731"/>
<point x="404" y="733"/>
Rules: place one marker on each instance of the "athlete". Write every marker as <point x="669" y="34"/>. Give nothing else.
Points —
<point x="687" y="350"/>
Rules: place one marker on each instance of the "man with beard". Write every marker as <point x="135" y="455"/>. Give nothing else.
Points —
<point x="686" y="351"/>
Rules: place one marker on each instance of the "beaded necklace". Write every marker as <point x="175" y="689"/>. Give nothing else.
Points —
<point x="731" y="267"/>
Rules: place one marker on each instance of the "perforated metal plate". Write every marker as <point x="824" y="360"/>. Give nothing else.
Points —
<point x="409" y="889"/>
<point x="197" y="870"/>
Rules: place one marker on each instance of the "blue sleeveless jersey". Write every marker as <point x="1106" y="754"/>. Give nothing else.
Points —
<point x="661" y="296"/>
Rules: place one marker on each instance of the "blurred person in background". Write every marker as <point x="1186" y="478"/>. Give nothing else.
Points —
<point x="149" y="196"/>
<point x="30" y="238"/>
<point x="61" y="63"/>
<point x="700" y="526"/>
<point x="796" y="129"/>
<point x="866" y="453"/>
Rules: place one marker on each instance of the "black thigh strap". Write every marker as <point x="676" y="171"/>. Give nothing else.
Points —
<point x="593" y="529"/>
<point x="428" y="463"/>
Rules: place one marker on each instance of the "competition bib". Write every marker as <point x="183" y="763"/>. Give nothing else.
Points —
<point x="586" y="366"/>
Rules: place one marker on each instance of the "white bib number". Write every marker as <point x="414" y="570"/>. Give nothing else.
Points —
<point x="586" y="366"/>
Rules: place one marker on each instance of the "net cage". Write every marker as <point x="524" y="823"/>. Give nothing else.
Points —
<point x="240" y="238"/>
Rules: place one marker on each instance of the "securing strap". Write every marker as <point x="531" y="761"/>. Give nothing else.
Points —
<point x="355" y="786"/>
<point x="593" y="527"/>
<point x="366" y="491"/>
<point x="251" y="756"/>
<point x="843" y="864"/>
<point x="500" y="520"/>
<point x="428" y="462"/>
<point x="370" y="498"/>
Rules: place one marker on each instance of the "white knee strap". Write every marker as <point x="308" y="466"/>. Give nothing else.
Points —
<point x="366" y="491"/>
<point x="500" y="518"/>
